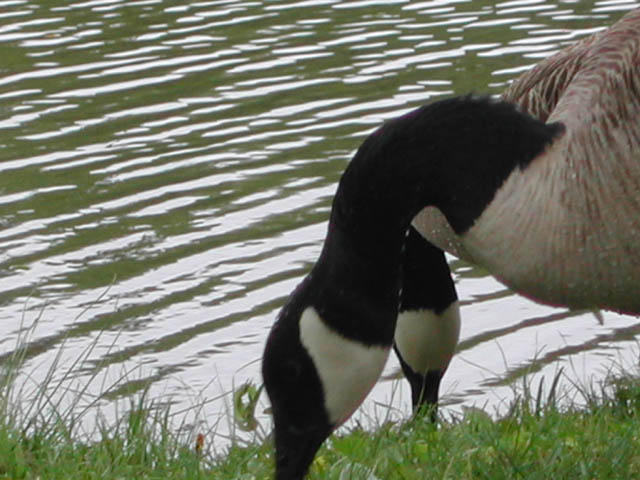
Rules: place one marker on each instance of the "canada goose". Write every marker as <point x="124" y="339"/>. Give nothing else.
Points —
<point x="546" y="196"/>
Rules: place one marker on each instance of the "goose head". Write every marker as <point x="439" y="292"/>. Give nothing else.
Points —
<point x="296" y="393"/>
<point x="300" y="418"/>
<point x="315" y="377"/>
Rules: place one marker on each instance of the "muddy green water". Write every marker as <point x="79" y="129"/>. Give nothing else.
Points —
<point x="166" y="170"/>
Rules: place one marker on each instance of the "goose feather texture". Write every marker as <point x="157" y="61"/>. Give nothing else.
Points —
<point x="566" y="230"/>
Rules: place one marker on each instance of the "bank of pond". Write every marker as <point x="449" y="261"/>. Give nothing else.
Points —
<point x="587" y="432"/>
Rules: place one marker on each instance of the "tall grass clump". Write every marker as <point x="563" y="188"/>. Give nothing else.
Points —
<point x="44" y="418"/>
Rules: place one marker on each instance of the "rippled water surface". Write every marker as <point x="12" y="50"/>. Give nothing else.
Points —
<point x="167" y="170"/>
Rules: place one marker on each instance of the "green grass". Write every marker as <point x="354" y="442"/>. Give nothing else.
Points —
<point x="598" y="439"/>
<point x="593" y="434"/>
<point x="534" y="441"/>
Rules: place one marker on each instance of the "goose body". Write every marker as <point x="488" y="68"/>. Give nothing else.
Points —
<point x="542" y="188"/>
<point x="570" y="223"/>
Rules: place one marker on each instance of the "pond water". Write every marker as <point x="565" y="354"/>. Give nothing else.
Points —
<point x="167" y="170"/>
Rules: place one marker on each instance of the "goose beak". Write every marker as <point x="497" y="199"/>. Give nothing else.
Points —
<point x="295" y="452"/>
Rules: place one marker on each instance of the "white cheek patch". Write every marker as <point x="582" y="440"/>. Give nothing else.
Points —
<point x="426" y="340"/>
<point x="347" y="368"/>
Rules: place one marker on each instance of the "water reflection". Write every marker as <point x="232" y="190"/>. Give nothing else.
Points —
<point x="177" y="162"/>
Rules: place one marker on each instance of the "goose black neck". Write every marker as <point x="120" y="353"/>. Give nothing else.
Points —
<point x="452" y="154"/>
